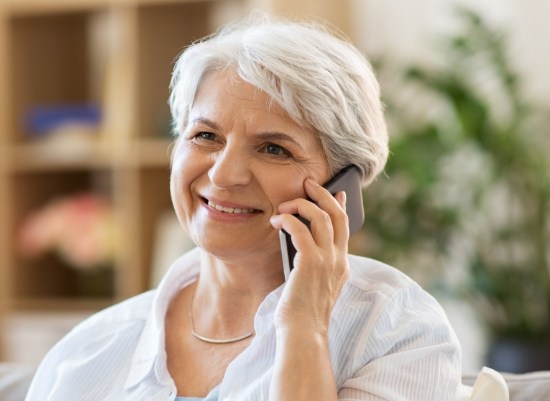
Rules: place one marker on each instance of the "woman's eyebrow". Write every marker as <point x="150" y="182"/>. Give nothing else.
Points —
<point x="278" y="136"/>
<point x="205" y="121"/>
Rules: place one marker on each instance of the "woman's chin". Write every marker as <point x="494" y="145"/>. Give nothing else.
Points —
<point x="240" y="249"/>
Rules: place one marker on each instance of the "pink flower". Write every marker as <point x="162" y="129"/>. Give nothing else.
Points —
<point x="80" y="228"/>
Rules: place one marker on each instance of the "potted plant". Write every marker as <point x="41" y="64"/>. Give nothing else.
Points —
<point x="468" y="189"/>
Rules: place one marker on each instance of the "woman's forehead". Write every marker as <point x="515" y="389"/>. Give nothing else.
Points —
<point x="226" y="94"/>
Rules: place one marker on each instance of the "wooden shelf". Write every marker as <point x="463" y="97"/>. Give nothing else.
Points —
<point x="37" y="157"/>
<point x="38" y="7"/>
<point x="46" y="304"/>
<point x="49" y="157"/>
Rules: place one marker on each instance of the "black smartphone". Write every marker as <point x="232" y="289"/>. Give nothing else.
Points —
<point x="348" y="180"/>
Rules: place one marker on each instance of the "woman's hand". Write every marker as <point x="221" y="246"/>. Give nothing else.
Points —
<point x="320" y="266"/>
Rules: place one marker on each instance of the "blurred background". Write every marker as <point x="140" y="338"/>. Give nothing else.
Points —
<point x="463" y="207"/>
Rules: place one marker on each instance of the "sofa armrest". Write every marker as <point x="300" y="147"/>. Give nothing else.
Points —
<point x="15" y="380"/>
<point x="534" y="386"/>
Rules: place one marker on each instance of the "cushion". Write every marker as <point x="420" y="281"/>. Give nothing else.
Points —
<point x="533" y="386"/>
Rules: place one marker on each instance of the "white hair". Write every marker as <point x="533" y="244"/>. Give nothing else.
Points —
<point x="321" y="80"/>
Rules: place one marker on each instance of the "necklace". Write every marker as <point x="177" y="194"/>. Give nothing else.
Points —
<point x="214" y="340"/>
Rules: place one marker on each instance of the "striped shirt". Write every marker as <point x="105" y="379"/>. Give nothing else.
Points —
<point x="388" y="340"/>
<point x="212" y="396"/>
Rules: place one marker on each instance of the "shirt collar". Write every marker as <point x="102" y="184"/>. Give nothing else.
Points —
<point x="151" y="342"/>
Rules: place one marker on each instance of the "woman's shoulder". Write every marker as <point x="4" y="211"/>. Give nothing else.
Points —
<point x="100" y="346"/>
<point x="370" y="275"/>
<point x="379" y="286"/>
<point x="389" y="295"/>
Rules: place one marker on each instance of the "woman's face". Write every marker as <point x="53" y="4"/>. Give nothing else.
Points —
<point x="237" y="159"/>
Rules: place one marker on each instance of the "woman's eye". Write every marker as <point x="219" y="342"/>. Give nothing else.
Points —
<point x="208" y="136"/>
<point x="277" y="150"/>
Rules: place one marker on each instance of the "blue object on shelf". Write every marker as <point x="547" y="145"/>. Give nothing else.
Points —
<point x="42" y="120"/>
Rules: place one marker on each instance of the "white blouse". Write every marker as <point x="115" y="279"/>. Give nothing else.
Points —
<point x="388" y="340"/>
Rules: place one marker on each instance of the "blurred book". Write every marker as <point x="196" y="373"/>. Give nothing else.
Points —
<point x="46" y="120"/>
<point x="63" y="132"/>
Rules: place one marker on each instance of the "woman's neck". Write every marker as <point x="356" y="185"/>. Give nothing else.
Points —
<point x="228" y="293"/>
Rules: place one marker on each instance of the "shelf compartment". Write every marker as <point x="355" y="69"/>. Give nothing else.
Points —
<point x="52" y="58"/>
<point x="47" y="275"/>
<point x="164" y="30"/>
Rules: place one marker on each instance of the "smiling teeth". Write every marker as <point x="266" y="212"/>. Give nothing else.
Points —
<point x="229" y="209"/>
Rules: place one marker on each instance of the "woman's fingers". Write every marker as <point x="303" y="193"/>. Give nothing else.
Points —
<point x="327" y="216"/>
<point x="319" y="222"/>
<point x="299" y="233"/>
<point x="335" y="207"/>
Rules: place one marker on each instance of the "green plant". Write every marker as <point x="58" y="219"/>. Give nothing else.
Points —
<point x="467" y="186"/>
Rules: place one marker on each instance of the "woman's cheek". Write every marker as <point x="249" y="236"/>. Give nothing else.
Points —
<point x="288" y="188"/>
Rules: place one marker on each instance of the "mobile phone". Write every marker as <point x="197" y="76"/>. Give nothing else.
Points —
<point x="348" y="180"/>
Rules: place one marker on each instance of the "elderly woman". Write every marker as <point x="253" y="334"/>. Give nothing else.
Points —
<point x="265" y="113"/>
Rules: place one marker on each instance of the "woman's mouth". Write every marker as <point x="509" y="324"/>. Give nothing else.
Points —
<point x="230" y="210"/>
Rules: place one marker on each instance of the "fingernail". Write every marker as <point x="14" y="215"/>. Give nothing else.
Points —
<point x="275" y="221"/>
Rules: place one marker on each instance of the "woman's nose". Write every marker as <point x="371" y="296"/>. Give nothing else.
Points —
<point x="230" y="168"/>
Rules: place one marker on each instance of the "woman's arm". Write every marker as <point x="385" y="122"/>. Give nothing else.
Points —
<point x="303" y="369"/>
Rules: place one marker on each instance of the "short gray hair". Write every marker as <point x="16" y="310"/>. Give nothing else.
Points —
<point x="321" y="80"/>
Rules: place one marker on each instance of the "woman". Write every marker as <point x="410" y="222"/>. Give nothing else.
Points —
<point x="265" y="112"/>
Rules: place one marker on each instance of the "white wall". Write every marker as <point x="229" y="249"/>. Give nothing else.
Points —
<point x="408" y="29"/>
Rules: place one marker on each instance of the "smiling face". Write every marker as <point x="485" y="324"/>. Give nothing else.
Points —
<point x="237" y="159"/>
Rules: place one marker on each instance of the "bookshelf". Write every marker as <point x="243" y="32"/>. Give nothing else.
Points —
<point x="111" y="56"/>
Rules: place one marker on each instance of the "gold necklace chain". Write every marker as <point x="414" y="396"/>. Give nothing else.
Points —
<point x="214" y="340"/>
